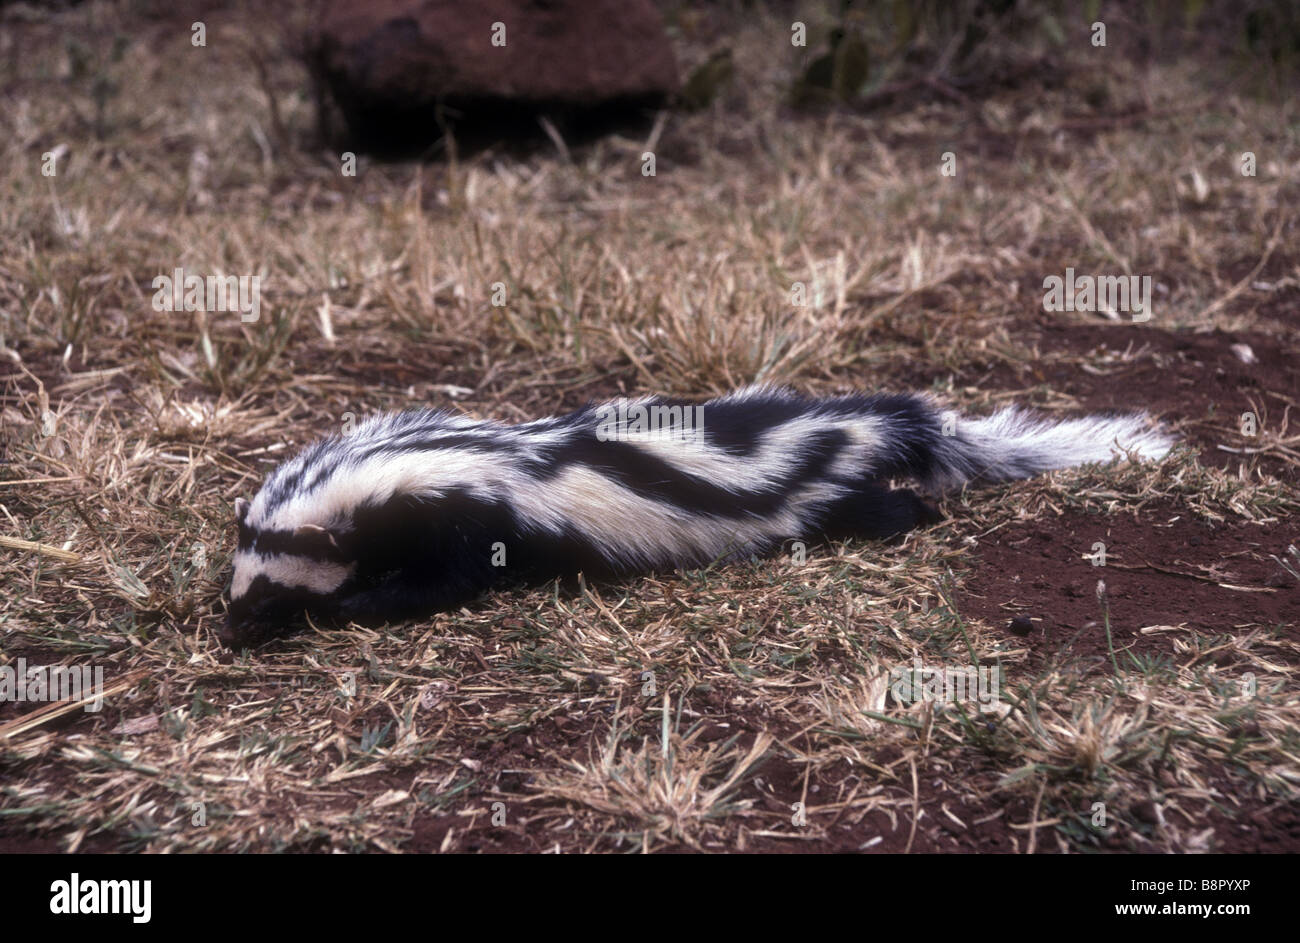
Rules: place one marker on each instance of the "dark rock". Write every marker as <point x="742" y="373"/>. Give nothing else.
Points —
<point x="402" y="71"/>
<point x="1021" y="625"/>
<point x="1146" y="812"/>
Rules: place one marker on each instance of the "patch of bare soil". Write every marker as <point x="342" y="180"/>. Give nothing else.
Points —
<point x="1164" y="566"/>
<point x="1164" y="569"/>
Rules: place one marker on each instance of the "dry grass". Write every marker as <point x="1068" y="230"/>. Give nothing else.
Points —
<point x="127" y="434"/>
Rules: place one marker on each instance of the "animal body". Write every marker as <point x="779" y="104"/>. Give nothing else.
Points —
<point x="420" y="511"/>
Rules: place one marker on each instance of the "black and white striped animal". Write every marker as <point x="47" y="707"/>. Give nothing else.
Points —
<point x="420" y="511"/>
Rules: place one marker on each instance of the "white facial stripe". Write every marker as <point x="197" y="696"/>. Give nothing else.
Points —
<point x="286" y="570"/>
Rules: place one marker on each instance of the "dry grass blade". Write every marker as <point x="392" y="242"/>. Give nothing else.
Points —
<point x="56" y="709"/>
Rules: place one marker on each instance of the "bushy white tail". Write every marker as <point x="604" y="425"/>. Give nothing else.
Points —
<point x="1013" y="444"/>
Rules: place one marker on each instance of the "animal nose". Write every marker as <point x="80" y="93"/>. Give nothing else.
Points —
<point x="239" y="631"/>
<point x="231" y="635"/>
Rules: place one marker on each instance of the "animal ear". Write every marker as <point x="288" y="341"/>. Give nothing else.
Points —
<point x="314" y="529"/>
<point x="241" y="509"/>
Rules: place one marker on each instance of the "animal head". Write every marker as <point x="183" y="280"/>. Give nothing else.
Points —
<point x="282" y="571"/>
<point x="388" y="523"/>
